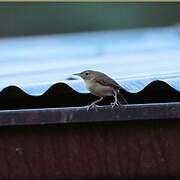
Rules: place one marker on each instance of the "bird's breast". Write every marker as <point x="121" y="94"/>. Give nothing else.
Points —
<point x="99" y="90"/>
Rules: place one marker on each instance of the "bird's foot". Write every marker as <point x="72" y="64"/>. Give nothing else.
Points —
<point x="115" y="104"/>
<point x="92" y="106"/>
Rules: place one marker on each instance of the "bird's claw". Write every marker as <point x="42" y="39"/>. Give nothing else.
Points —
<point x="92" y="106"/>
<point x="114" y="104"/>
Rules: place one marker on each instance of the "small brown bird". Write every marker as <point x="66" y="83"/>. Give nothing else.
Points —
<point x="101" y="85"/>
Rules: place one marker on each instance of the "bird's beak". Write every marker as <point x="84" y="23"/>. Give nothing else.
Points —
<point x="76" y="74"/>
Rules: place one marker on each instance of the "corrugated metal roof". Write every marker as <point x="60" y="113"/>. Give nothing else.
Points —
<point x="134" y="58"/>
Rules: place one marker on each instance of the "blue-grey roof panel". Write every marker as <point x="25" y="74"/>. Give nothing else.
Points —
<point x="134" y="58"/>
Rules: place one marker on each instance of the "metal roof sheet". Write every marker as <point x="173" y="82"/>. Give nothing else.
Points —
<point x="134" y="58"/>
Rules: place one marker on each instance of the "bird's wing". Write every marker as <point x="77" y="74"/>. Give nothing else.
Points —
<point x="107" y="81"/>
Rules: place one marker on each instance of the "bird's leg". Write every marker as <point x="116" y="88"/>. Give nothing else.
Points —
<point x="94" y="103"/>
<point x="115" y="103"/>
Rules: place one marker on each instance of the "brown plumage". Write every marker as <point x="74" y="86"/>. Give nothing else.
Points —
<point x="106" y="80"/>
<point x="102" y="85"/>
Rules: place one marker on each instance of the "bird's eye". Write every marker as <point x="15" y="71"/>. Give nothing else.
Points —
<point x="86" y="73"/>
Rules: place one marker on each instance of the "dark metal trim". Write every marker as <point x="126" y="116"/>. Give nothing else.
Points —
<point x="80" y="114"/>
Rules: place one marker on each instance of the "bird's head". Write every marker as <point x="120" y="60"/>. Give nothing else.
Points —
<point x="86" y="75"/>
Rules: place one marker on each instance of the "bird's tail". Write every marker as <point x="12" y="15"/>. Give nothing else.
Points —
<point x="121" y="99"/>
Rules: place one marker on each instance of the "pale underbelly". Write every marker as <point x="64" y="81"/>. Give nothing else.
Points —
<point x="101" y="91"/>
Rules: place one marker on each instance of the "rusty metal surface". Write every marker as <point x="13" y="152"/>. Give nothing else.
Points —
<point x="80" y="114"/>
<point x="137" y="150"/>
<point x="134" y="58"/>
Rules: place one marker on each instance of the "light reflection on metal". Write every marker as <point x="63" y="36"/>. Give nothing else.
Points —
<point x="158" y="111"/>
<point x="133" y="58"/>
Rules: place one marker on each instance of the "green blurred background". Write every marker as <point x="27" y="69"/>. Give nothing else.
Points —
<point x="17" y="19"/>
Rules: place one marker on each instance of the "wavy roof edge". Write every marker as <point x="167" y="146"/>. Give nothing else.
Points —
<point x="66" y="88"/>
